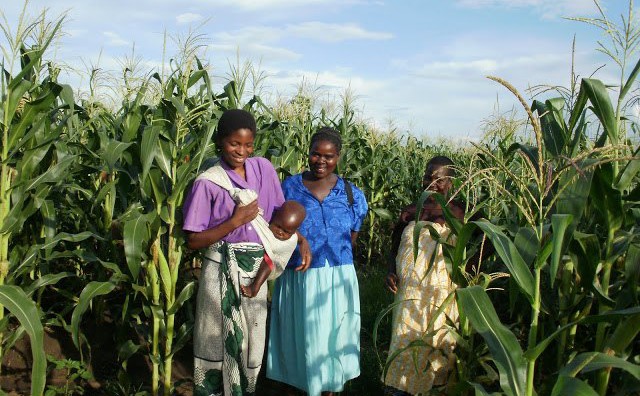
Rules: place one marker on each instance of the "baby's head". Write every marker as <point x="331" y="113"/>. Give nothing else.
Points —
<point x="287" y="219"/>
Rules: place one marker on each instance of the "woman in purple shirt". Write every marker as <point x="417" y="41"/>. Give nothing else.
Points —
<point x="229" y="331"/>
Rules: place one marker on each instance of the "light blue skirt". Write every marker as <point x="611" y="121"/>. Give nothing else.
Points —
<point x="314" y="334"/>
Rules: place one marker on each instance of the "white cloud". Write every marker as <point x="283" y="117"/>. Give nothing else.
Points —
<point x="249" y="35"/>
<point x="253" y="5"/>
<point x="114" y="39"/>
<point x="331" y="32"/>
<point x="326" y="32"/>
<point x="257" y="52"/>
<point x="546" y="8"/>
<point x="188" y="17"/>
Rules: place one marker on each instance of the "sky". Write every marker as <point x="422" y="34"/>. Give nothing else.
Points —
<point x="416" y="66"/>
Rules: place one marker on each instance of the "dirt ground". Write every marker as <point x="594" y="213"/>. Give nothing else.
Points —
<point x="102" y="362"/>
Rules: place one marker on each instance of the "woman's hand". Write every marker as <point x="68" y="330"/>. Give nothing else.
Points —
<point x="305" y="253"/>
<point x="392" y="282"/>
<point x="245" y="214"/>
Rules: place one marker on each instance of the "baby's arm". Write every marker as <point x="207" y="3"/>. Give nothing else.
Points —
<point x="252" y="289"/>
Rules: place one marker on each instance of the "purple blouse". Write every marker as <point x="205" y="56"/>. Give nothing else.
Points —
<point x="208" y="205"/>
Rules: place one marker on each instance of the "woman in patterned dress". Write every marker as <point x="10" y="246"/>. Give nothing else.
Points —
<point x="229" y="330"/>
<point x="314" y="334"/>
<point x="422" y="286"/>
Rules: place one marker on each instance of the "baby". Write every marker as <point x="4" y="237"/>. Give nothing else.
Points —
<point x="283" y="225"/>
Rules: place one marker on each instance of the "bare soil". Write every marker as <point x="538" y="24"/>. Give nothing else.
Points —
<point x="101" y="360"/>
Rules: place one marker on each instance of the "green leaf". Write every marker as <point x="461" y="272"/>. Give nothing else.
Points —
<point x="527" y="243"/>
<point x="127" y="349"/>
<point x="182" y="337"/>
<point x="65" y="236"/>
<point x="552" y="123"/>
<point x="25" y="310"/>
<point x="14" y="95"/>
<point x="630" y="80"/>
<point x="480" y="391"/>
<point x="381" y="315"/>
<point x="112" y="152"/>
<point x="48" y="218"/>
<point x="626" y="177"/>
<point x="632" y="267"/>
<point x="536" y="351"/>
<point x="136" y="235"/>
<point x="572" y="386"/>
<point x="510" y="256"/>
<point x="163" y="157"/>
<point x="36" y="55"/>
<point x="417" y="230"/>
<point x="165" y="272"/>
<point x="559" y="224"/>
<point x="91" y="290"/>
<point x="195" y="76"/>
<point x="572" y="199"/>
<point x="503" y="344"/>
<point x="593" y="361"/>
<point x="185" y="294"/>
<point x="132" y="121"/>
<point x="607" y="199"/>
<point x="416" y="343"/>
<point x="32" y="110"/>
<point x="54" y="174"/>
<point x="601" y="107"/>
<point x="530" y="152"/>
<point x="578" y="110"/>
<point x="624" y="334"/>
<point x="48" y="279"/>
<point x="382" y="213"/>
<point x="586" y="249"/>
<point x="148" y="149"/>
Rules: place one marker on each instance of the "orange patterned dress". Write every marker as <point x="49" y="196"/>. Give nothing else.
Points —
<point x="423" y="290"/>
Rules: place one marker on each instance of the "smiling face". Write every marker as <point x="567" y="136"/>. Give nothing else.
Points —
<point x="237" y="147"/>
<point x="437" y="178"/>
<point x="323" y="159"/>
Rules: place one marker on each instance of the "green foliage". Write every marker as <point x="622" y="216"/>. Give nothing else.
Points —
<point x="90" y="220"/>
<point x="76" y="375"/>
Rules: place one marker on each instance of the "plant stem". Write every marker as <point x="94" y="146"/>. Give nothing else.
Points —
<point x="602" y="377"/>
<point x="168" y="355"/>
<point x="564" y="297"/>
<point x="174" y="262"/>
<point x="154" y="283"/>
<point x="533" y="333"/>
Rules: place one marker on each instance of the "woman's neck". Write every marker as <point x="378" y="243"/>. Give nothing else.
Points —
<point x="329" y="179"/>
<point x="239" y="170"/>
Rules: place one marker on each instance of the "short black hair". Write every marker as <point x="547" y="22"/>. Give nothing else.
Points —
<point x="327" y="134"/>
<point x="232" y="120"/>
<point x="442" y="161"/>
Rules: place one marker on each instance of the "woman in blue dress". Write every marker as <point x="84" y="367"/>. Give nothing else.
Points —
<point x="314" y="336"/>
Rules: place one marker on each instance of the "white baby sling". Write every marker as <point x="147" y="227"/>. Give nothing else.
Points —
<point x="278" y="250"/>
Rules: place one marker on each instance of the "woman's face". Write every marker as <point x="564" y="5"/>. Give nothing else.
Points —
<point x="436" y="179"/>
<point x="323" y="159"/>
<point x="237" y="147"/>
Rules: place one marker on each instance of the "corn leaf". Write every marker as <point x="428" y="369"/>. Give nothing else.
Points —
<point x="559" y="224"/>
<point x="25" y="310"/>
<point x="503" y="344"/>
<point x="510" y="256"/>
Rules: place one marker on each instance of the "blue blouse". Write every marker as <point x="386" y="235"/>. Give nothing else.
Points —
<point x="328" y="224"/>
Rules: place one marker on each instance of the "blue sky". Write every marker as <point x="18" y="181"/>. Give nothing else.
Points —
<point x="416" y="65"/>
